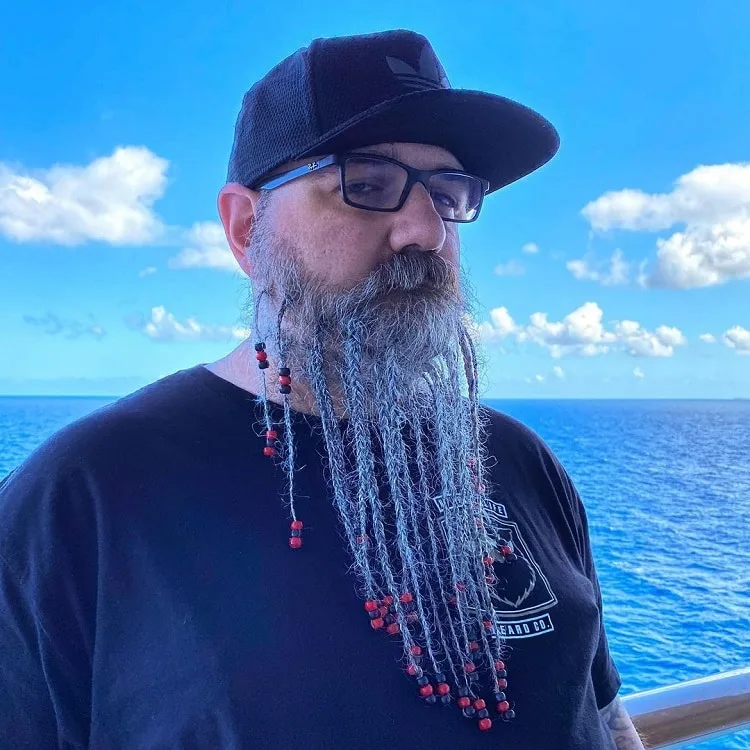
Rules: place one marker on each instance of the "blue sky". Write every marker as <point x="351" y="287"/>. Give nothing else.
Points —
<point x="621" y="269"/>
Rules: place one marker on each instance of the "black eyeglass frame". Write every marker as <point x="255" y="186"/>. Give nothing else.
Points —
<point x="414" y="176"/>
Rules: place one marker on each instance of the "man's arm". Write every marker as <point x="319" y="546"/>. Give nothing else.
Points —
<point x="621" y="725"/>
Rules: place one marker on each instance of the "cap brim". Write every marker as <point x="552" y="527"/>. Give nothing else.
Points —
<point x="493" y="137"/>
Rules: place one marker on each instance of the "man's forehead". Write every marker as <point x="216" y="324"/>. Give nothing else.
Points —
<point x="419" y="155"/>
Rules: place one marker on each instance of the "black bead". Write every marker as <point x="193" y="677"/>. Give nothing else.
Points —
<point x="463" y="692"/>
<point x="509" y="714"/>
<point x="483" y="713"/>
<point x="469" y="712"/>
<point x="263" y="365"/>
<point x="422" y="681"/>
<point x="446" y="699"/>
<point x="512" y="557"/>
<point x="285" y="371"/>
<point x="296" y="532"/>
<point x="285" y="389"/>
<point x="499" y="696"/>
<point x="431" y="700"/>
<point x="259" y="347"/>
<point x="389" y="619"/>
<point x="439" y="677"/>
<point x="502" y="672"/>
<point x="374" y="615"/>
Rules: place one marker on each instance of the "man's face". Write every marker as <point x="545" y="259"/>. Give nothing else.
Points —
<point x="338" y="245"/>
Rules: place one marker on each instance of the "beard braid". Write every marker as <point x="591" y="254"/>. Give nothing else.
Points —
<point x="407" y="467"/>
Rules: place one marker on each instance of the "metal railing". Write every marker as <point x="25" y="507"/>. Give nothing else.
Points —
<point x="693" y="711"/>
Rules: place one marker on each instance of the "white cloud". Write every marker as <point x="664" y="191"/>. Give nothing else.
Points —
<point x="713" y="204"/>
<point x="559" y="372"/>
<point x="638" y="373"/>
<point x="163" y="326"/>
<point x="69" y="328"/>
<point x="109" y="200"/>
<point x="617" y="273"/>
<point x="737" y="338"/>
<point x="583" y="333"/>
<point x="707" y="338"/>
<point x="539" y="378"/>
<point x="530" y="248"/>
<point x="206" y="247"/>
<point x="147" y="272"/>
<point x="511" y="268"/>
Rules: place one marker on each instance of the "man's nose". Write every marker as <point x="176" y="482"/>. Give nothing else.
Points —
<point x="417" y="223"/>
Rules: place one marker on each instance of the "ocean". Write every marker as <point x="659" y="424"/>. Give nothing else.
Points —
<point x="666" y="485"/>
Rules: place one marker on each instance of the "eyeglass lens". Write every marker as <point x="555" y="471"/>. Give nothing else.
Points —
<point x="379" y="185"/>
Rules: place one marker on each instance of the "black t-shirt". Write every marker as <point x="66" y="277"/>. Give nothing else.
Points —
<point x="149" y="598"/>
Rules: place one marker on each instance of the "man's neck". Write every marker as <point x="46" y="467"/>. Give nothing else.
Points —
<point x="240" y="368"/>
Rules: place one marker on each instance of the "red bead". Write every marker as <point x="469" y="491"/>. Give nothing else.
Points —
<point x="412" y="617"/>
<point x="371" y="605"/>
<point x="506" y="550"/>
<point x="443" y="688"/>
<point x="488" y="560"/>
<point x="499" y="665"/>
<point x="285" y="380"/>
<point x="393" y="628"/>
<point x="479" y="704"/>
<point x="271" y="434"/>
<point x="377" y="623"/>
<point x="416" y="650"/>
<point x="425" y="690"/>
<point x="388" y="600"/>
<point x="469" y="667"/>
<point x="490" y="579"/>
<point x="296" y="525"/>
<point x="461" y="586"/>
<point x="503" y="706"/>
<point x="412" y="669"/>
<point x="261" y="356"/>
<point x="383" y="611"/>
<point x="463" y="702"/>
<point x="405" y="598"/>
<point x="487" y="624"/>
<point x="295" y="542"/>
<point x="485" y="724"/>
<point x="269" y="451"/>
<point x="502" y="683"/>
<point x="473" y="646"/>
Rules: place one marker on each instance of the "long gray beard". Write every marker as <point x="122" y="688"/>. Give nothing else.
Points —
<point x="407" y="468"/>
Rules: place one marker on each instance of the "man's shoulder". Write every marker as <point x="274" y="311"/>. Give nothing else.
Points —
<point x="113" y="436"/>
<point x="510" y="434"/>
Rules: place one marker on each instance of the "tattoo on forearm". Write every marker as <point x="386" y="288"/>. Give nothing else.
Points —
<point x="620" y="725"/>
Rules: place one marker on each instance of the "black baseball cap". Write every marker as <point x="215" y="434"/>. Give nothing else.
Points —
<point x="343" y="93"/>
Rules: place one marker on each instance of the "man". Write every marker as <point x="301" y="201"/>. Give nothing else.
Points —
<point x="321" y="540"/>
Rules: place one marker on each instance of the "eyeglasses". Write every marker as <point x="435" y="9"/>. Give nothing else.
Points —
<point x="379" y="183"/>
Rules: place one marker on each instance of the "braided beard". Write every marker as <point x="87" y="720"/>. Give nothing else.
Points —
<point x="406" y="468"/>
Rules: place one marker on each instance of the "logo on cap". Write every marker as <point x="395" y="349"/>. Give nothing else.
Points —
<point x="429" y="75"/>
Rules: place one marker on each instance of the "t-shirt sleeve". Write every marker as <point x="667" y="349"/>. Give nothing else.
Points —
<point x="47" y="592"/>
<point x="604" y="672"/>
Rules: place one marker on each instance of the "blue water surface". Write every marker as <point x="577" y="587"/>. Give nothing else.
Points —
<point x="666" y="485"/>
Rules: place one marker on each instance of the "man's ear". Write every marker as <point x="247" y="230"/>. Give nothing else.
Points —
<point x="237" y="208"/>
